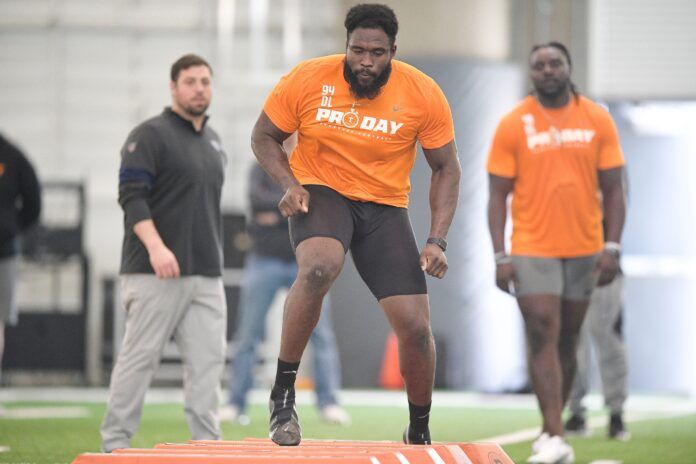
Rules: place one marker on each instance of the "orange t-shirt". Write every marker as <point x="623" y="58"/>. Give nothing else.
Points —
<point x="364" y="149"/>
<point x="554" y="155"/>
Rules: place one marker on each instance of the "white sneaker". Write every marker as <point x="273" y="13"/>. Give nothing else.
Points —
<point x="541" y="439"/>
<point x="334" y="414"/>
<point x="554" y="450"/>
<point x="232" y="413"/>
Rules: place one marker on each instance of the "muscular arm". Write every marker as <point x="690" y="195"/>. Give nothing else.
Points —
<point x="498" y="190"/>
<point x="444" y="194"/>
<point x="614" y="202"/>
<point x="613" y="199"/>
<point x="444" y="187"/>
<point x="267" y="145"/>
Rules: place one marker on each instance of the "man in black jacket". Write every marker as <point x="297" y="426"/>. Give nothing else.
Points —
<point x="170" y="185"/>
<point x="20" y="206"/>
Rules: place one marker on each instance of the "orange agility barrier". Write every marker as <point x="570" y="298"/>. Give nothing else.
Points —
<point x="166" y="458"/>
<point x="390" y="374"/>
<point x="277" y="451"/>
<point x="254" y="450"/>
<point x="485" y="452"/>
<point x="474" y="452"/>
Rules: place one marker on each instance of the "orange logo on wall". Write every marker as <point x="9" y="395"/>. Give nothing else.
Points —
<point x="2" y="169"/>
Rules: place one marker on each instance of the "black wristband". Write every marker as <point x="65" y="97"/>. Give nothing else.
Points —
<point x="441" y="242"/>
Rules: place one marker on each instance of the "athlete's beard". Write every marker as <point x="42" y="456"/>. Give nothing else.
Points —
<point x="369" y="91"/>
<point x="553" y="94"/>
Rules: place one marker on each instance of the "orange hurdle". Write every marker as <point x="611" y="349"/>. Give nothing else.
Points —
<point x="255" y="450"/>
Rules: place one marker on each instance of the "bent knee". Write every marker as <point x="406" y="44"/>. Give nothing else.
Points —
<point x="319" y="276"/>
<point x="419" y="336"/>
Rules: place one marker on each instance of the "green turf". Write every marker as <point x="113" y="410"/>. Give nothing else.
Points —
<point x="34" y="441"/>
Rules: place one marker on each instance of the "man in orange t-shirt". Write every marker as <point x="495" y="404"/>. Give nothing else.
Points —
<point x="555" y="152"/>
<point x="358" y="117"/>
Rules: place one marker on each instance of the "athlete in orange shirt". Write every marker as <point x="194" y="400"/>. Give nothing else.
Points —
<point x="358" y="117"/>
<point x="555" y="152"/>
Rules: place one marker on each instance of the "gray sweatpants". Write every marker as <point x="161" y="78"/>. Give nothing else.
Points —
<point x="9" y="269"/>
<point x="192" y="310"/>
<point x="601" y="329"/>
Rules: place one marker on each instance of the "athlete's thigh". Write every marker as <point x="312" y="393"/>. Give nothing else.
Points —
<point x="329" y="216"/>
<point x="387" y="257"/>
<point x="579" y="278"/>
<point x="537" y="276"/>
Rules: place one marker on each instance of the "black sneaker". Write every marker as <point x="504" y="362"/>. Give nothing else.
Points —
<point x="284" y="428"/>
<point x="576" y="425"/>
<point x="617" y="430"/>
<point x="412" y="437"/>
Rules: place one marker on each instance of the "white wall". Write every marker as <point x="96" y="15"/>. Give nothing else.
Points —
<point x="456" y="28"/>
<point x="642" y="49"/>
<point x="78" y="75"/>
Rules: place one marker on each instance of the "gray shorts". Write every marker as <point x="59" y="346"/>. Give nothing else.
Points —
<point x="569" y="278"/>
<point x="8" y="284"/>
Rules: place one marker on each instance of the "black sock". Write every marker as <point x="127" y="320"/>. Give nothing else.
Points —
<point x="286" y="374"/>
<point x="419" y="416"/>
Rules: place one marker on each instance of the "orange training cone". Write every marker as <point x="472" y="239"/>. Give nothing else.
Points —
<point x="390" y="375"/>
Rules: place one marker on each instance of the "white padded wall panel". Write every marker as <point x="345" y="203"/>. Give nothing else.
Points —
<point x="78" y="75"/>
<point x="642" y="49"/>
<point x="26" y="12"/>
<point x="167" y="14"/>
<point x="90" y="13"/>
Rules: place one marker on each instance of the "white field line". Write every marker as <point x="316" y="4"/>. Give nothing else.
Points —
<point x="49" y="412"/>
<point x="449" y="399"/>
<point x="593" y="423"/>
<point x="653" y="404"/>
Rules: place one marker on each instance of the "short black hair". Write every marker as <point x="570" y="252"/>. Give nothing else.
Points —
<point x="372" y="16"/>
<point x="186" y="62"/>
<point x="557" y="45"/>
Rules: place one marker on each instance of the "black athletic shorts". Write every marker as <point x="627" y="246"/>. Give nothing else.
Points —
<point x="379" y="237"/>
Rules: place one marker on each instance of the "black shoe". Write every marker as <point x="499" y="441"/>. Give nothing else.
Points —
<point x="284" y="427"/>
<point x="617" y="430"/>
<point x="576" y="426"/>
<point x="412" y="437"/>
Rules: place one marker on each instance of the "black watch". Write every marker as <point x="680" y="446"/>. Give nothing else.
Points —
<point x="441" y="242"/>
